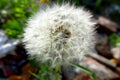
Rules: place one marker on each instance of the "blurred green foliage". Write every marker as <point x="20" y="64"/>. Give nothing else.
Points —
<point x="45" y="72"/>
<point x="114" y="39"/>
<point x="14" y="13"/>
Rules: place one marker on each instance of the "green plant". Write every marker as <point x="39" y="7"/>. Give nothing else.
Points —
<point x="114" y="39"/>
<point x="45" y="72"/>
<point x="14" y="14"/>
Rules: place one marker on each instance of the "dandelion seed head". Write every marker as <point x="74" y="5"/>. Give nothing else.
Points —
<point x="59" y="34"/>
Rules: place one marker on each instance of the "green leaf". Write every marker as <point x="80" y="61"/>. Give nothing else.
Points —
<point x="85" y="70"/>
<point x="34" y="75"/>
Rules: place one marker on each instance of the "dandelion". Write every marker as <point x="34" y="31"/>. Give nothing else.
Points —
<point x="59" y="34"/>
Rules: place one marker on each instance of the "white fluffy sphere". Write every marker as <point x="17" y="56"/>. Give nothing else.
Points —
<point x="59" y="34"/>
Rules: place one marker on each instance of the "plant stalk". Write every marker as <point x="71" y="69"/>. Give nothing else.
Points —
<point x="57" y="73"/>
<point x="85" y="70"/>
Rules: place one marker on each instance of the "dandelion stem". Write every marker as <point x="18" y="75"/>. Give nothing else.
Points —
<point x="57" y="73"/>
<point x="63" y="1"/>
<point x="57" y="1"/>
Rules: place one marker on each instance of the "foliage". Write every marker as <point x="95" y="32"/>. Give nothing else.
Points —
<point x="114" y="39"/>
<point x="91" y="73"/>
<point x="44" y="73"/>
<point x="13" y="15"/>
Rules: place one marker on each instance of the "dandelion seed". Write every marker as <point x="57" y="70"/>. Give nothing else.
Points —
<point x="60" y="34"/>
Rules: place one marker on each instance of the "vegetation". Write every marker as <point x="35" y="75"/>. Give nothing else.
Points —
<point x="13" y="15"/>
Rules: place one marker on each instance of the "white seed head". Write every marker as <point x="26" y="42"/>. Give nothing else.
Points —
<point x="59" y="34"/>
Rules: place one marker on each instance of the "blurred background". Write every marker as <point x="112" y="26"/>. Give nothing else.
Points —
<point x="105" y="61"/>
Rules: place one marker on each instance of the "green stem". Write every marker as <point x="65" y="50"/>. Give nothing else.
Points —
<point x="57" y="1"/>
<point x="85" y="70"/>
<point x="34" y="75"/>
<point x="63" y="1"/>
<point x="56" y="73"/>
